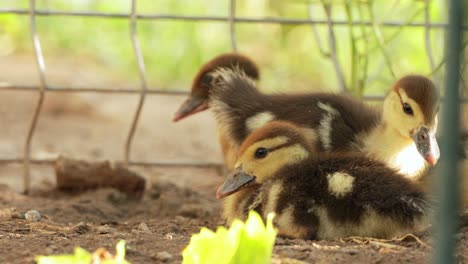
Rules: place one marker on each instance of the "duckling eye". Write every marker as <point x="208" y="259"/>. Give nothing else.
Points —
<point x="206" y="79"/>
<point x="407" y="109"/>
<point x="261" y="153"/>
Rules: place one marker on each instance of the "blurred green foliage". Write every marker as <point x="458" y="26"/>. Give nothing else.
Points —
<point x="289" y="55"/>
<point x="81" y="256"/>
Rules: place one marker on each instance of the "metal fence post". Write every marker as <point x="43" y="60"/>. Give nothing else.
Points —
<point x="447" y="172"/>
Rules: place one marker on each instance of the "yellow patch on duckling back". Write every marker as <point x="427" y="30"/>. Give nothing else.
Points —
<point x="259" y="120"/>
<point x="340" y="183"/>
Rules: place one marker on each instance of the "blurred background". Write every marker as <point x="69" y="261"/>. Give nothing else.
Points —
<point x="97" y="50"/>
<point x="86" y="50"/>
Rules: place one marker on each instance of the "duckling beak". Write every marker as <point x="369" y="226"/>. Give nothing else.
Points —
<point x="192" y="105"/>
<point x="234" y="183"/>
<point x="426" y="143"/>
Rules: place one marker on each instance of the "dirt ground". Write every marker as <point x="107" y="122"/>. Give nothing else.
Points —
<point x="177" y="201"/>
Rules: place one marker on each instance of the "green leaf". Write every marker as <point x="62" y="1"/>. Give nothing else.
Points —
<point x="249" y="242"/>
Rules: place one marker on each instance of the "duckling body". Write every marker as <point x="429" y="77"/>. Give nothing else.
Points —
<point x="320" y="200"/>
<point x="320" y="197"/>
<point x="404" y="141"/>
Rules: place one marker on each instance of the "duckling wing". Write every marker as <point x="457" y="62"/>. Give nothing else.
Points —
<point x="397" y="200"/>
<point x="416" y="204"/>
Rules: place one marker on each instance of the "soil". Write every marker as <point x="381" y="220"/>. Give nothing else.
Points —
<point x="177" y="202"/>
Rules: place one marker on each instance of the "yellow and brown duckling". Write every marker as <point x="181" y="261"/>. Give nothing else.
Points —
<point x="402" y="135"/>
<point x="199" y="95"/>
<point x="317" y="195"/>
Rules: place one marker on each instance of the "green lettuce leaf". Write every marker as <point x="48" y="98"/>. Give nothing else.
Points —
<point x="249" y="242"/>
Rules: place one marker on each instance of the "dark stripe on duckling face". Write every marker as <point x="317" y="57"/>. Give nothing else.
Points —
<point x="287" y="144"/>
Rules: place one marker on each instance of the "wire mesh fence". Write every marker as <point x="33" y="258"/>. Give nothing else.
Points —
<point x="232" y="20"/>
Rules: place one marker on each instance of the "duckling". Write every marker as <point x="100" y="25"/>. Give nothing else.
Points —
<point x="316" y="195"/>
<point x="198" y="98"/>
<point x="402" y="135"/>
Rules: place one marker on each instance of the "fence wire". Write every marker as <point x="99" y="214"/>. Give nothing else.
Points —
<point x="44" y="87"/>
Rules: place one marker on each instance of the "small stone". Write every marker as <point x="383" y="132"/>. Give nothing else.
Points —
<point x="169" y="236"/>
<point x="163" y="256"/>
<point x="142" y="227"/>
<point x="32" y="216"/>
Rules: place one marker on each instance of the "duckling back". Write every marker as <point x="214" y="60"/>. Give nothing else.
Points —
<point x="332" y="120"/>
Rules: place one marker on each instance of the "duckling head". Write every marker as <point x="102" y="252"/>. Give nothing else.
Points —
<point x="198" y="98"/>
<point x="411" y="108"/>
<point x="263" y="153"/>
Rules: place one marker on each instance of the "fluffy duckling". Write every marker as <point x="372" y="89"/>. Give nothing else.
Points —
<point x="198" y="98"/>
<point x="324" y="196"/>
<point x="402" y="135"/>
